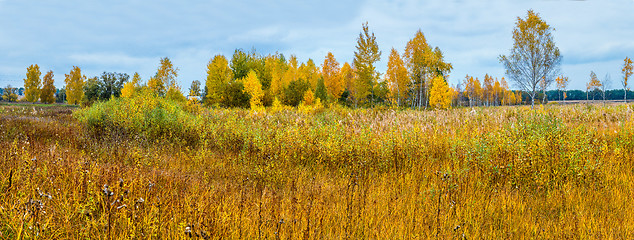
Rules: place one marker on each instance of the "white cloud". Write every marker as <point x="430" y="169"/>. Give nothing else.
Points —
<point x="107" y="59"/>
<point x="131" y="36"/>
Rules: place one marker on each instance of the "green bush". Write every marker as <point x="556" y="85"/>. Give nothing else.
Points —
<point x="145" y="114"/>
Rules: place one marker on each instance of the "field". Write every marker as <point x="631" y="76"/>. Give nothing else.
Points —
<point x="120" y="170"/>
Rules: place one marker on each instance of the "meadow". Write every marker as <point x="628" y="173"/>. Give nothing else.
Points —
<point x="150" y="168"/>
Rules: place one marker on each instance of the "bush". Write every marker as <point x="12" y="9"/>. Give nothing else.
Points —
<point x="144" y="113"/>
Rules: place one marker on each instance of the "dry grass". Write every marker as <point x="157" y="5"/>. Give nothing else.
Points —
<point x="508" y="172"/>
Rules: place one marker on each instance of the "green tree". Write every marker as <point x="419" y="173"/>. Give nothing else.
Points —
<point x="365" y="56"/>
<point x="320" y="91"/>
<point x="243" y="62"/>
<point x="32" y="83"/>
<point x="294" y="93"/>
<point x="60" y="96"/>
<point x="194" y="89"/>
<point x="534" y="56"/>
<point x="111" y="83"/>
<point x="47" y="93"/>
<point x="92" y="90"/>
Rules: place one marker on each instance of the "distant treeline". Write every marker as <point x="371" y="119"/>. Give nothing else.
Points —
<point x="614" y="94"/>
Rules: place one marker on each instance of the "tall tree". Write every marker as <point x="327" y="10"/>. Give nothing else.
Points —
<point x="487" y="85"/>
<point x="332" y="79"/>
<point x="320" y="91"/>
<point x="469" y="89"/>
<point x="310" y="73"/>
<point x="92" y="90"/>
<point x="593" y="85"/>
<point x="74" y="86"/>
<point x="605" y="84"/>
<point x="347" y="74"/>
<point x="417" y="55"/>
<point x="194" y="89"/>
<point x="534" y="56"/>
<point x="32" y="83"/>
<point x="562" y="84"/>
<point x="130" y="87"/>
<point x="397" y="77"/>
<point x="253" y="87"/>
<point x="47" y="94"/>
<point x="60" y="96"/>
<point x="497" y="89"/>
<point x="474" y="90"/>
<point x="164" y="78"/>
<point x="292" y="71"/>
<point x="627" y="72"/>
<point x="219" y="74"/>
<point x="111" y="84"/>
<point x="243" y="62"/>
<point x="10" y="94"/>
<point x="365" y="56"/>
<point x="274" y="65"/>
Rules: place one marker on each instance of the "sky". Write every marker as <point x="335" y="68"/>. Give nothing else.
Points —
<point x="133" y="35"/>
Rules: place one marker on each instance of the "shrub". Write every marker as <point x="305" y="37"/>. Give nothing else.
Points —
<point x="144" y="113"/>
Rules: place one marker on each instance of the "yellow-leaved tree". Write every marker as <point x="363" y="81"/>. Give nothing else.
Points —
<point x="47" y="94"/>
<point x="534" y="57"/>
<point x="440" y="95"/>
<point x="32" y="83"/>
<point x="593" y="85"/>
<point x="275" y="67"/>
<point x="562" y="83"/>
<point x="309" y="97"/>
<point x="417" y="56"/>
<point x="473" y="89"/>
<point x="627" y="72"/>
<point x="365" y="56"/>
<point x="253" y="87"/>
<point x="333" y="80"/>
<point x="347" y="75"/>
<point x="218" y="75"/>
<point x="74" y="86"/>
<point x="397" y="77"/>
<point x="130" y="87"/>
<point x="174" y="93"/>
<point x="310" y="73"/>
<point x="292" y="71"/>
<point x="487" y="89"/>
<point x="164" y="78"/>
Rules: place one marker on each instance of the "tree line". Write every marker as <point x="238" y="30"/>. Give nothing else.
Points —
<point x="417" y="78"/>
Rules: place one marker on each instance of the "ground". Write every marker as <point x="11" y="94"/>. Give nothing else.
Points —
<point x="497" y="172"/>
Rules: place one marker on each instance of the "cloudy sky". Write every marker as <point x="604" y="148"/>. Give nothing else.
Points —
<point x="132" y="35"/>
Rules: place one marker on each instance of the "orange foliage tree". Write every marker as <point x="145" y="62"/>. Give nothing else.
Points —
<point x="333" y="80"/>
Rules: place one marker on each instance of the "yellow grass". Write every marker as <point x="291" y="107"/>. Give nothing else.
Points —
<point x="505" y="172"/>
